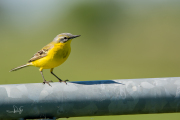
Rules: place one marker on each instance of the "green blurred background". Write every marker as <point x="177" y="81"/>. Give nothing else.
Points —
<point x="120" y="40"/>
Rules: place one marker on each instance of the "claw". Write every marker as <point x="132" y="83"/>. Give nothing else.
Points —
<point x="47" y="82"/>
<point x="65" y="81"/>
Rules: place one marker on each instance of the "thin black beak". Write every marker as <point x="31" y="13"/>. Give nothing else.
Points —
<point x="75" y="36"/>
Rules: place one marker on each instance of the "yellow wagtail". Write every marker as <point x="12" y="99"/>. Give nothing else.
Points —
<point x="52" y="55"/>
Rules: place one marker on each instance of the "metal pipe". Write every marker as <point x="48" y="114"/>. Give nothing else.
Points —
<point x="90" y="98"/>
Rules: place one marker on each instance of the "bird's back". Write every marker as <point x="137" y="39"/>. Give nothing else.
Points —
<point x="55" y="56"/>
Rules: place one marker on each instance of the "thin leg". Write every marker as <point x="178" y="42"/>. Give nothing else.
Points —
<point x="44" y="79"/>
<point x="57" y="76"/>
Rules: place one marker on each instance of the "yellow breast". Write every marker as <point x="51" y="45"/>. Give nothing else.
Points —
<point x="55" y="56"/>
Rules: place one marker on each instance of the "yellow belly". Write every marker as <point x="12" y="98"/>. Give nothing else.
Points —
<point x="55" y="57"/>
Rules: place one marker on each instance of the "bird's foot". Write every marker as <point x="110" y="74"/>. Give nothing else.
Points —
<point x="47" y="82"/>
<point x="65" y="81"/>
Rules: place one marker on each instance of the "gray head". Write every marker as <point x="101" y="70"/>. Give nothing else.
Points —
<point x="64" y="37"/>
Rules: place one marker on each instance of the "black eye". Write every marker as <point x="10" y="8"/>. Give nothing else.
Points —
<point x="65" y="37"/>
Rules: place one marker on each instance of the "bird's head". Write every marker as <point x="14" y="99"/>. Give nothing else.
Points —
<point x="64" y="37"/>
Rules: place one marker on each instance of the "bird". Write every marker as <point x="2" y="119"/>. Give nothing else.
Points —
<point x="52" y="55"/>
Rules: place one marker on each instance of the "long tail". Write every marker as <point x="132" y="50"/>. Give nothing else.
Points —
<point x="22" y="66"/>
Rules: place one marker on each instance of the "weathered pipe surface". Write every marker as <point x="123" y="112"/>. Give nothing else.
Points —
<point x="90" y="98"/>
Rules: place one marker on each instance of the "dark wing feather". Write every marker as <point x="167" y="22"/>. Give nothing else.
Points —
<point x="42" y="53"/>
